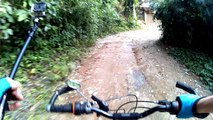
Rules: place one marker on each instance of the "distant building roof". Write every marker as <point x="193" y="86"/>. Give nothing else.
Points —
<point x="146" y="6"/>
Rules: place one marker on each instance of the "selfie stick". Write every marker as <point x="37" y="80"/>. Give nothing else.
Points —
<point x="4" y="105"/>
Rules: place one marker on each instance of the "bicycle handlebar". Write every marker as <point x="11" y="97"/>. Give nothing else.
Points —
<point x="78" y="108"/>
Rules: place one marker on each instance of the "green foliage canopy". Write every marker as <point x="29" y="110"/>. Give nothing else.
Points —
<point x="76" y="22"/>
<point x="186" y="23"/>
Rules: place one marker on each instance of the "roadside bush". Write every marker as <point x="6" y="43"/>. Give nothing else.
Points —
<point x="186" y="23"/>
<point x="187" y="26"/>
<point x="13" y="21"/>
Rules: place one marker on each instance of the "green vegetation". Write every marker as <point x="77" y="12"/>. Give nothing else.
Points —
<point x="187" y="26"/>
<point x="40" y="74"/>
<point x="64" y="36"/>
<point x="186" y="23"/>
<point x="198" y="62"/>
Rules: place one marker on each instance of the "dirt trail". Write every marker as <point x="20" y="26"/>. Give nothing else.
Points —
<point x="131" y="63"/>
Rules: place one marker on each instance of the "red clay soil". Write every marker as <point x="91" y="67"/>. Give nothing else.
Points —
<point x="130" y="63"/>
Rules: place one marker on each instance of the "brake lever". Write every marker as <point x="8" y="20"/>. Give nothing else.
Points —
<point x="102" y="104"/>
<point x="185" y="87"/>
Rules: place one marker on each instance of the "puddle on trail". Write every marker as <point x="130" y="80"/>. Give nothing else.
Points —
<point x="136" y="78"/>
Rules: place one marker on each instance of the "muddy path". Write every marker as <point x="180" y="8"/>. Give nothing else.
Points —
<point x="130" y="63"/>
